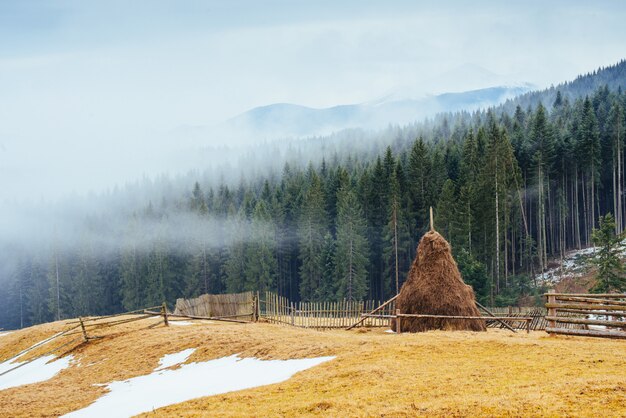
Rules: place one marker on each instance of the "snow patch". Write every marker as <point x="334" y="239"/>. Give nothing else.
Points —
<point x="390" y="331"/>
<point x="574" y="264"/>
<point x="180" y="323"/>
<point x="190" y="381"/>
<point x="38" y="370"/>
<point x="170" y="360"/>
<point x="3" y="334"/>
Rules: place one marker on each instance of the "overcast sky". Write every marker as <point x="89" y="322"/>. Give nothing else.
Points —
<point x="91" y="92"/>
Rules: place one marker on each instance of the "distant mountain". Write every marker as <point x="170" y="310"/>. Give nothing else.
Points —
<point x="288" y="120"/>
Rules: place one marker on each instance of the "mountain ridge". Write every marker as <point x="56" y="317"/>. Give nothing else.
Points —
<point x="289" y="119"/>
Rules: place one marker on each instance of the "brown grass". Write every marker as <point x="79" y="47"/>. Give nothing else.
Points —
<point x="435" y="287"/>
<point x="436" y="373"/>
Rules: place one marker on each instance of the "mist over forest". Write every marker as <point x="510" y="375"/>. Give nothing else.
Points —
<point x="318" y="218"/>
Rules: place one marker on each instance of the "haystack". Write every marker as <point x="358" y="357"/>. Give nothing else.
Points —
<point x="435" y="287"/>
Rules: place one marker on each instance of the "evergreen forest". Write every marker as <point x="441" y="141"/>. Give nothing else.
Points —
<point x="512" y="189"/>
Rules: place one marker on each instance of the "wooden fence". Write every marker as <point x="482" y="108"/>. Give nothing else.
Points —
<point x="537" y="314"/>
<point x="595" y="315"/>
<point x="337" y="314"/>
<point x="231" y="305"/>
<point x="250" y="306"/>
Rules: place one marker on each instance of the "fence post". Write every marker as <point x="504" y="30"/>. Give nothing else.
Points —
<point x="255" y="302"/>
<point x="398" y="322"/>
<point x="164" y="311"/>
<point x="551" y="311"/>
<point x="82" y="326"/>
<point x="258" y="307"/>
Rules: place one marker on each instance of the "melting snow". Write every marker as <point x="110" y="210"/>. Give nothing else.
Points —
<point x="574" y="264"/>
<point x="180" y="323"/>
<point x="190" y="381"/>
<point x="2" y="334"/>
<point x="170" y="360"/>
<point x="36" y="371"/>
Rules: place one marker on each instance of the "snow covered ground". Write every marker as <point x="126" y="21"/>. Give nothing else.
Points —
<point x="575" y="264"/>
<point x="166" y="386"/>
<point x="180" y="323"/>
<point x="170" y="360"/>
<point x="39" y="370"/>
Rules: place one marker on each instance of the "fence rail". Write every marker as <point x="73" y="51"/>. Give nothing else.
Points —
<point x="273" y="308"/>
<point x="348" y="314"/>
<point x="595" y="315"/>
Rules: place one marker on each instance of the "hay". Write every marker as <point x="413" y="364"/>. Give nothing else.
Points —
<point x="374" y="373"/>
<point x="435" y="287"/>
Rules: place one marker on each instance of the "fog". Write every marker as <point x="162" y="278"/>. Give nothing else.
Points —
<point x="107" y="108"/>
<point x="95" y="95"/>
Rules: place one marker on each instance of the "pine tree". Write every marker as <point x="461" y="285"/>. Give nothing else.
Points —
<point x="235" y="265"/>
<point x="541" y="138"/>
<point x="446" y="211"/>
<point x="611" y="276"/>
<point x="419" y="172"/>
<point x="589" y="151"/>
<point x="351" y="256"/>
<point x="260" y="257"/>
<point x="395" y="237"/>
<point x="311" y="231"/>
<point x="328" y="288"/>
<point x="134" y="266"/>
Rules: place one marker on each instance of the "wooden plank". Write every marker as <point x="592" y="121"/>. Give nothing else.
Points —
<point x="398" y="322"/>
<point x="551" y="310"/>
<point x="588" y="333"/>
<point x="493" y="316"/>
<point x="587" y="312"/>
<point x="569" y="320"/>
<point x="593" y="300"/>
<point x="503" y="318"/>
<point x="590" y="295"/>
<point x="82" y="326"/>
<point x="374" y="311"/>
<point x="164" y="310"/>
<point x="584" y="306"/>
<point x="154" y="313"/>
<point x="99" y="318"/>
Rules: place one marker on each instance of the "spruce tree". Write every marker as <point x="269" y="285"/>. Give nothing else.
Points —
<point x="351" y="256"/>
<point x="611" y="276"/>
<point x="260" y="257"/>
<point x="311" y="231"/>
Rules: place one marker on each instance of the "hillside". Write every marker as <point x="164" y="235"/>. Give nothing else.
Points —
<point x="288" y="120"/>
<point x="612" y="76"/>
<point x="372" y="372"/>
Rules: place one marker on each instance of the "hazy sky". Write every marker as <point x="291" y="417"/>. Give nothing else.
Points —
<point x="92" y="93"/>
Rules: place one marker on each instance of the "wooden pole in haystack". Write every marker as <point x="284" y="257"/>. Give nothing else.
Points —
<point x="432" y="223"/>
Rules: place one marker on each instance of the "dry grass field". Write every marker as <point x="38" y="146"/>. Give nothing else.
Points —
<point x="495" y="373"/>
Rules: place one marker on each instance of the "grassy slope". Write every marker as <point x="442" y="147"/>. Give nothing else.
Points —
<point x="374" y="374"/>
